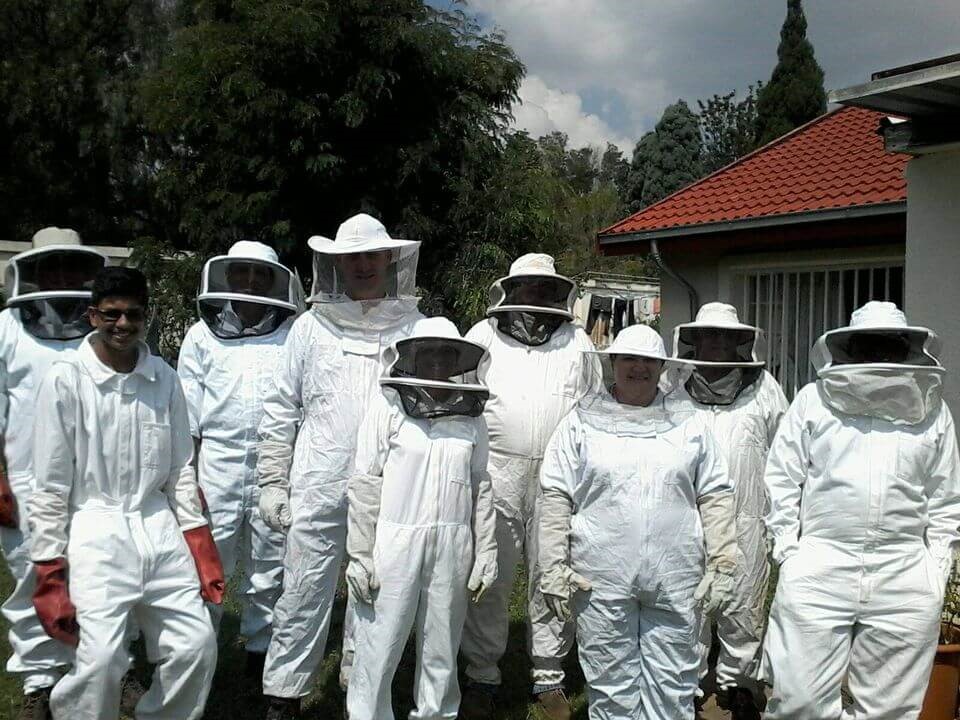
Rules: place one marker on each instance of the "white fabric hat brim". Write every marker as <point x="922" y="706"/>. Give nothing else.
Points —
<point x="717" y="326"/>
<point x="666" y="360"/>
<point x="325" y="245"/>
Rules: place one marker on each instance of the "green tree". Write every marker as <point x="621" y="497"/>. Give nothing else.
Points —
<point x="794" y="95"/>
<point x="728" y="128"/>
<point x="666" y="159"/>
<point x="72" y="146"/>
<point x="279" y="118"/>
<point x="615" y="170"/>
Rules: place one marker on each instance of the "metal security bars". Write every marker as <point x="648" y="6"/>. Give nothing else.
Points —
<point x="795" y="306"/>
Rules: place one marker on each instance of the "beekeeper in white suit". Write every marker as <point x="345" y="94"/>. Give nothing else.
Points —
<point x="742" y="405"/>
<point x="363" y="301"/>
<point x="48" y="292"/>
<point x="422" y="530"/>
<point x="535" y="377"/>
<point x="637" y="534"/>
<point x="864" y="482"/>
<point x="227" y="364"/>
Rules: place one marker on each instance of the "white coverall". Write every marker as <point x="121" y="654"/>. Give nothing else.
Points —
<point x="531" y="389"/>
<point x="115" y="492"/>
<point x="635" y="476"/>
<point x="225" y="382"/>
<point x="744" y="429"/>
<point x="434" y="496"/>
<point x="24" y="360"/>
<point x="326" y="378"/>
<point x="864" y="515"/>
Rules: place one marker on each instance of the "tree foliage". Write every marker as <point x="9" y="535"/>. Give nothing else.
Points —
<point x="72" y="147"/>
<point x="794" y="95"/>
<point x="728" y="128"/>
<point x="666" y="159"/>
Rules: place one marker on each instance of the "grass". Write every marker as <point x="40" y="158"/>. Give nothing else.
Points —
<point x="233" y="698"/>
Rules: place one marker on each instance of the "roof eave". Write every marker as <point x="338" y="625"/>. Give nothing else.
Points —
<point x="849" y="213"/>
<point x="923" y="92"/>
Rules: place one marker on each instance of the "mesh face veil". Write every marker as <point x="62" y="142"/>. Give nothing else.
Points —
<point x="246" y="297"/>
<point x="530" y="307"/>
<point x="51" y="288"/>
<point x="437" y="376"/>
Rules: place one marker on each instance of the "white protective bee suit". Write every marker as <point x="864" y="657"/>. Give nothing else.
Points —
<point x="864" y="482"/>
<point x="535" y="377"/>
<point x="115" y="495"/>
<point x="422" y="529"/>
<point x="742" y="408"/>
<point x="40" y="325"/>
<point x="636" y="500"/>
<point x="227" y="369"/>
<point x="326" y="379"/>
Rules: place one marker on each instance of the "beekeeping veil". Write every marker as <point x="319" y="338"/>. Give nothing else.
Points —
<point x="247" y="292"/>
<point x="436" y="373"/>
<point x="50" y="284"/>
<point x="532" y="301"/>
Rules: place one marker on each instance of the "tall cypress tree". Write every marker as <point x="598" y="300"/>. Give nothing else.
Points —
<point x="795" y="93"/>
<point x="666" y="159"/>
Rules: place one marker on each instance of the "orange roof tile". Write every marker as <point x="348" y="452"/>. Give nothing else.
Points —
<point x="835" y="161"/>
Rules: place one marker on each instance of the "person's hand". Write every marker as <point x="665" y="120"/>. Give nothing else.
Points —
<point x="557" y="585"/>
<point x="714" y="591"/>
<point x="275" y="507"/>
<point x="483" y="575"/>
<point x="51" y="601"/>
<point x="362" y="581"/>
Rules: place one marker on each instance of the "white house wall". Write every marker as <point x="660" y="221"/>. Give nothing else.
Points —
<point x="933" y="256"/>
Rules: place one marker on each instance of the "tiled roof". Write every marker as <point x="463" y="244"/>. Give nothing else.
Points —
<point x="834" y="162"/>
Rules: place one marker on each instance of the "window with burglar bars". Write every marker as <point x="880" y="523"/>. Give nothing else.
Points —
<point x="796" y="306"/>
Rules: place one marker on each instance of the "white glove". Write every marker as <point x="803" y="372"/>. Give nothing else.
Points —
<point x="275" y="507"/>
<point x="483" y="575"/>
<point x="363" y="582"/>
<point x="714" y="591"/>
<point x="557" y="585"/>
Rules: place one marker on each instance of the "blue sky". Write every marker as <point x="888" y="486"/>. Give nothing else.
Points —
<point x="603" y="70"/>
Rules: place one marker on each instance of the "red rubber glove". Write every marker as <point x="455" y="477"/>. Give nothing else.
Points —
<point x="207" y="559"/>
<point x="8" y="503"/>
<point x="51" y="600"/>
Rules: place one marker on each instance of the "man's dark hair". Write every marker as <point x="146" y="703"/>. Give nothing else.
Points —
<point x="120" y="282"/>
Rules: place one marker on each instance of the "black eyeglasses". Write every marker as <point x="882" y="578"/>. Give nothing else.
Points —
<point x="134" y="315"/>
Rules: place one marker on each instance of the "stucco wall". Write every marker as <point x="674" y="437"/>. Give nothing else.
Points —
<point x="933" y="256"/>
<point x="701" y="271"/>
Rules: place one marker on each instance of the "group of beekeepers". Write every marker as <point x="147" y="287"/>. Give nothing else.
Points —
<point x="642" y="491"/>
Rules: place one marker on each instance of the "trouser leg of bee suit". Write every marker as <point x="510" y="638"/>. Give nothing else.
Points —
<point x="349" y="640"/>
<point x="639" y="661"/>
<point x="423" y="585"/>
<point x="487" y="625"/>
<point x="740" y="624"/>
<point x="35" y="656"/>
<point x="173" y="621"/>
<point x="316" y="543"/>
<point x="260" y="560"/>
<point x="878" y="630"/>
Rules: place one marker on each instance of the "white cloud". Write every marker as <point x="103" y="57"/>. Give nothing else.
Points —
<point x="543" y="110"/>
<point x="607" y="68"/>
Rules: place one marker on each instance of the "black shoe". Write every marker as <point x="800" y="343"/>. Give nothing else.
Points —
<point x="36" y="706"/>
<point x="477" y="702"/>
<point x="130" y="693"/>
<point x="253" y="667"/>
<point x="742" y="705"/>
<point x="283" y="709"/>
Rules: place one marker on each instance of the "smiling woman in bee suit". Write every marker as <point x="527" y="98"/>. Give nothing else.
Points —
<point x="48" y="292"/>
<point x="535" y="377"/>
<point x="864" y="482"/>
<point x="247" y="303"/>
<point x="742" y="405"/>
<point x="363" y="301"/>
<point x="422" y="530"/>
<point x="636" y="500"/>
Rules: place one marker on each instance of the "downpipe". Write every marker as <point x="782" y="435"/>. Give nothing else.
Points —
<point x="664" y="268"/>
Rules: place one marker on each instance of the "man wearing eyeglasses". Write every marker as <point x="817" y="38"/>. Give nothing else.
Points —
<point x="117" y="529"/>
<point x="48" y="291"/>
